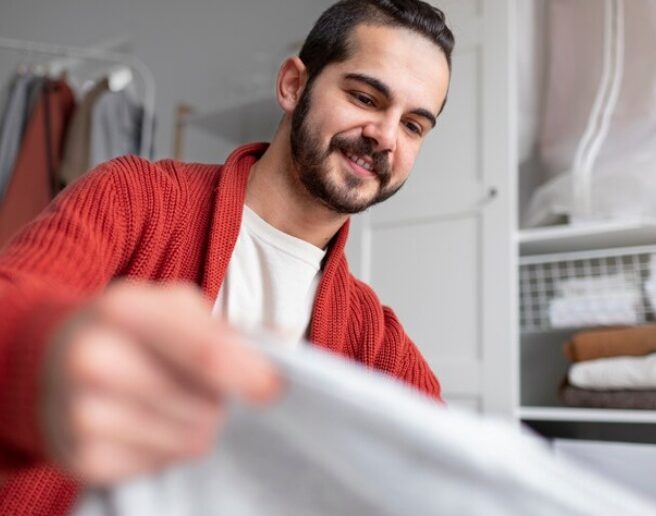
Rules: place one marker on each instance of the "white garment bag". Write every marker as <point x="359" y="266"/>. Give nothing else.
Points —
<point x="597" y="142"/>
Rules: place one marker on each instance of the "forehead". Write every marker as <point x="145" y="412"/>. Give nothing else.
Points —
<point x="411" y="65"/>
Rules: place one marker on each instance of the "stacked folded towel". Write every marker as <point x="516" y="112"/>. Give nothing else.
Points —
<point x="596" y="301"/>
<point x="612" y="368"/>
<point x="650" y="284"/>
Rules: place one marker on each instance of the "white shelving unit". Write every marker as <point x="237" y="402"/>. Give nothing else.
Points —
<point x="611" y="261"/>
<point x="586" y="415"/>
<point x="558" y="239"/>
<point x="542" y="364"/>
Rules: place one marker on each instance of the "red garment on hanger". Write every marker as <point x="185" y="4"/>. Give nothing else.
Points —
<point x="30" y="188"/>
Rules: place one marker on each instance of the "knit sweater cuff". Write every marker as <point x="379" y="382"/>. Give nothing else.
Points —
<point x="25" y="337"/>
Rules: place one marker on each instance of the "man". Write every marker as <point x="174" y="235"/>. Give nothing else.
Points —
<point x="104" y="382"/>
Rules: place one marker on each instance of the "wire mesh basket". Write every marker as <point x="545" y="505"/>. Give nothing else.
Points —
<point x="590" y="288"/>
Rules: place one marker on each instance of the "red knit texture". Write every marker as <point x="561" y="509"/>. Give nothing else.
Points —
<point x="160" y="221"/>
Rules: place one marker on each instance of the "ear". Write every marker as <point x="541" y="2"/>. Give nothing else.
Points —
<point x="291" y="82"/>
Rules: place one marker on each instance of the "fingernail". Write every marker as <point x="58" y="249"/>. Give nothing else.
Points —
<point x="267" y="384"/>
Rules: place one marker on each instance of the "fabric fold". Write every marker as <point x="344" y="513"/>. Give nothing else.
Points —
<point x="344" y="440"/>
<point x="611" y="399"/>
<point x="612" y="342"/>
<point x="614" y="373"/>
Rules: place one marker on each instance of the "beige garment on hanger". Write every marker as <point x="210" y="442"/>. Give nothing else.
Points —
<point x="75" y="161"/>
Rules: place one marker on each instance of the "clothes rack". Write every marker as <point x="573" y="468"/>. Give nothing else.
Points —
<point x="96" y="54"/>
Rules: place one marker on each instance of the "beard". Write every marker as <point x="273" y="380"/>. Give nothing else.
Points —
<point x="311" y="161"/>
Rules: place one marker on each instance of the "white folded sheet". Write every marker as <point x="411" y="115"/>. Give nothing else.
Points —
<point x="615" y="373"/>
<point x="348" y="441"/>
<point x="588" y="286"/>
<point x="596" y="301"/>
<point x="599" y="310"/>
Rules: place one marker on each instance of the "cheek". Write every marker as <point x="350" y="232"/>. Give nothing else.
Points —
<point x="340" y="120"/>
<point x="404" y="161"/>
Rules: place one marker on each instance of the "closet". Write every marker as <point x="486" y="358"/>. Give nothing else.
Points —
<point x="586" y="239"/>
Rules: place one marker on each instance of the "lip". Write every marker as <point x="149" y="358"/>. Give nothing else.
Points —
<point x="360" y="171"/>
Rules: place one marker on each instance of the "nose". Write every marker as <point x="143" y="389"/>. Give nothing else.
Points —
<point x="383" y="131"/>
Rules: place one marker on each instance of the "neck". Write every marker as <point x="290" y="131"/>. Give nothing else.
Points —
<point x="276" y="194"/>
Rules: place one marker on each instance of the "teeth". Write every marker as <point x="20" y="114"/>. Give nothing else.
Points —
<point x="359" y="161"/>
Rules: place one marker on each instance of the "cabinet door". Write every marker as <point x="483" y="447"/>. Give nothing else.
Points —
<point x="440" y="253"/>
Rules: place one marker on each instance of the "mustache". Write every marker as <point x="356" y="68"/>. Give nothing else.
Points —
<point x="364" y="147"/>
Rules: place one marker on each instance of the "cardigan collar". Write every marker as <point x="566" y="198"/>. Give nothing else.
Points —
<point x="330" y="307"/>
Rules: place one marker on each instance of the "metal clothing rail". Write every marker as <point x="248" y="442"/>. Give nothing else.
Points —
<point x="101" y="55"/>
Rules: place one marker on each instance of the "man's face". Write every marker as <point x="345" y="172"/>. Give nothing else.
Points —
<point x="357" y="130"/>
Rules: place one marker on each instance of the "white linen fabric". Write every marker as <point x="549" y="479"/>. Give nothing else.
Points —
<point x="619" y="308"/>
<point x="346" y="440"/>
<point x="597" y="301"/>
<point x="633" y="373"/>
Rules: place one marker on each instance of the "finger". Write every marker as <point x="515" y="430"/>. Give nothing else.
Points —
<point x="108" y="361"/>
<point x="244" y="372"/>
<point x="176" y="325"/>
<point x="105" y="463"/>
<point x="97" y="418"/>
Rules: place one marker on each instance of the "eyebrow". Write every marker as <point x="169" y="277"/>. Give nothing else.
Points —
<point x="384" y="90"/>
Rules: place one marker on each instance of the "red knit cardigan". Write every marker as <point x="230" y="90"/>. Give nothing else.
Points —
<point x="156" y="221"/>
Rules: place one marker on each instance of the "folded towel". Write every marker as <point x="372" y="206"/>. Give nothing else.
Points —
<point x="594" y="286"/>
<point x="650" y="284"/>
<point x="602" y="310"/>
<point x="614" y="373"/>
<point x="611" y="342"/>
<point x="619" y="399"/>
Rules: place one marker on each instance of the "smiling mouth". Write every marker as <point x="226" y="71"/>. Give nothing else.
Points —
<point x="359" y="165"/>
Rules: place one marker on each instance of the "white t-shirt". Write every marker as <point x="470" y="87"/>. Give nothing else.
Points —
<point x="271" y="280"/>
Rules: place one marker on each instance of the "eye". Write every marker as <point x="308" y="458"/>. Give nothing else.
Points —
<point x="414" y="127"/>
<point x="363" y="98"/>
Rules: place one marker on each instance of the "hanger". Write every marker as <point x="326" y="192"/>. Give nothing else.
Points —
<point x="119" y="78"/>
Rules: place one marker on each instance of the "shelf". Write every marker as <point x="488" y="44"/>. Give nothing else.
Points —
<point x="583" y="415"/>
<point x="580" y="237"/>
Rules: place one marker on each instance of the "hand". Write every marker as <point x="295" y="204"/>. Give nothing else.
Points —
<point x="135" y="381"/>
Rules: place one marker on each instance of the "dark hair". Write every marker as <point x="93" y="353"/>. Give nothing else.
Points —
<point x="329" y="40"/>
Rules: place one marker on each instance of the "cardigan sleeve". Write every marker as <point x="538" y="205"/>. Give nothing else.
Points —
<point x="412" y="367"/>
<point x="384" y="345"/>
<point x="54" y="264"/>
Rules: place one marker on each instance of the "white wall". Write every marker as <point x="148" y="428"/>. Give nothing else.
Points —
<point x="198" y="50"/>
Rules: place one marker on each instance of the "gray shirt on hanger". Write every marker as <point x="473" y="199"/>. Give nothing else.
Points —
<point x="115" y="127"/>
<point x="13" y="123"/>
